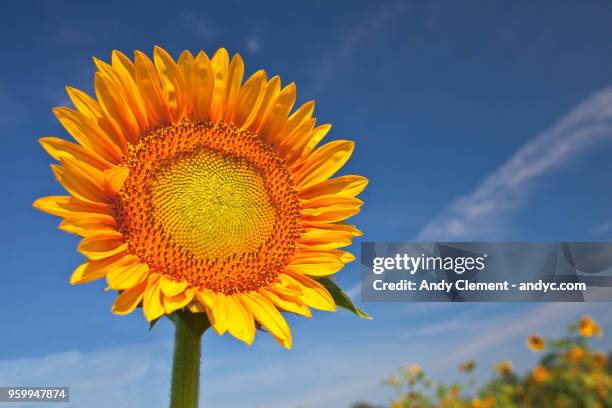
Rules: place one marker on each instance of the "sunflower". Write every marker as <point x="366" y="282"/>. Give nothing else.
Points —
<point x="576" y="354"/>
<point x="599" y="359"/>
<point x="468" y="366"/>
<point x="504" y="368"/>
<point x="540" y="373"/>
<point x="588" y="327"/>
<point x="535" y="343"/>
<point x="195" y="191"/>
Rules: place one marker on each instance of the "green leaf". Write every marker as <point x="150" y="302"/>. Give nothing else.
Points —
<point x="342" y="298"/>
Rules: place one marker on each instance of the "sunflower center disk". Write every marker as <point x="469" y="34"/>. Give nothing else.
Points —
<point x="211" y="204"/>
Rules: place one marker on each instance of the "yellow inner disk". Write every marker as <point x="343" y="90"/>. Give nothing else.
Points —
<point x="213" y="205"/>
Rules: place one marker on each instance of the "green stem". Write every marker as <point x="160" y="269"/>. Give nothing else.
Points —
<point x="186" y="361"/>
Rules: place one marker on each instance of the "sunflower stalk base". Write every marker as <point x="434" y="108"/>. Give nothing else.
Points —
<point x="189" y="328"/>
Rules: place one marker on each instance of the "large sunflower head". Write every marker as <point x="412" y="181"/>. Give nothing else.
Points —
<point x="193" y="190"/>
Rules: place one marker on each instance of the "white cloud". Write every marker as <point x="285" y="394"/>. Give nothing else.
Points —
<point x="476" y="215"/>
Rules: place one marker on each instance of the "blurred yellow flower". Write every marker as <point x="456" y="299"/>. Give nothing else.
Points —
<point x="488" y="402"/>
<point x="468" y="366"/>
<point x="600" y="359"/>
<point x="587" y="327"/>
<point x="504" y="367"/>
<point x="540" y="373"/>
<point x="535" y="343"/>
<point x="415" y="369"/>
<point x="576" y="354"/>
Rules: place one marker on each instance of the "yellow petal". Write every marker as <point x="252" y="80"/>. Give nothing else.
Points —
<point x="335" y="226"/>
<point x="102" y="246"/>
<point x="90" y="108"/>
<point x="91" y="218"/>
<point x="172" y="82"/>
<point x="83" y="228"/>
<point x="152" y="306"/>
<point x="302" y="115"/>
<point x="88" y="134"/>
<point x="206" y="297"/>
<point x="290" y="304"/>
<point x="312" y="269"/>
<point x="126" y="72"/>
<point x="122" y="277"/>
<point x="186" y="66"/>
<point x="331" y="213"/>
<point x="114" y="178"/>
<point x="115" y="106"/>
<point x="330" y="200"/>
<point x="324" y="163"/>
<point x="93" y="270"/>
<point x="268" y="316"/>
<point x="318" y="264"/>
<point x="314" y="138"/>
<point x="63" y="206"/>
<point x="234" y="81"/>
<point x="249" y="100"/>
<point x="313" y="293"/>
<point x="219" y="321"/>
<point x="292" y="145"/>
<point x="270" y="93"/>
<point x="202" y="78"/>
<point x="171" y="286"/>
<point x="344" y="256"/>
<point x="208" y="300"/>
<point x="78" y="185"/>
<point x="330" y="208"/>
<point x="178" y="301"/>
<point x="239" y="319"/>
<point x="278" y="114"/>
<point x="129" y="299"/>
<point x="317" y="238"/>
<point x="85" y="104"/>
<point x="348" y="186"/>
<point x="220" y="65"/>
<point x="149" y="86"/>
<point x="57" y="148"/>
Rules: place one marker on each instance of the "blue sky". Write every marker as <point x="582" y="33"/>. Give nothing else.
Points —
<point x="482" y="120"/>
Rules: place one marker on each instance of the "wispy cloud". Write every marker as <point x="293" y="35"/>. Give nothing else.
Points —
<point x="475" y="215"/>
